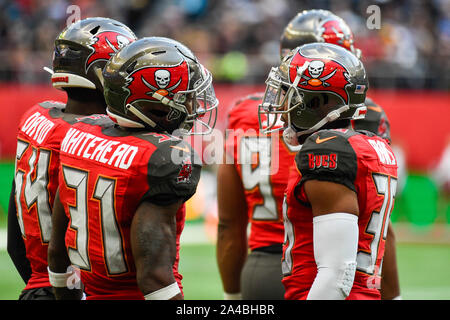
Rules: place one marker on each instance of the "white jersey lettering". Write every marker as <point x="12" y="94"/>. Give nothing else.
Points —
<point x="37" y="126"/>
<point x="89" y="146"/>
<point x="385" y="156"/>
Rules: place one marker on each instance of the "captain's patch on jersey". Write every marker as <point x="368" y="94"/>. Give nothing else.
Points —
<point x="328" y="161"/>
<point x="184" y="176"/>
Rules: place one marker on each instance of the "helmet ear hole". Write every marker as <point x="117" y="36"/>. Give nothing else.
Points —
<point x="314" y="103"/>
<point x="319" y="101"/>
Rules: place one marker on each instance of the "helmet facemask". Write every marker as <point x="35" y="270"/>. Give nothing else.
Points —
<point x="202" y="102"/>
<point x="280" y="98"/>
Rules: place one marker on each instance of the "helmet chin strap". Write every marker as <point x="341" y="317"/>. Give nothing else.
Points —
<point x="291" y="135"/>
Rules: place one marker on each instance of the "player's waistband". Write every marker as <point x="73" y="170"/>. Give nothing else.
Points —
<point x="273" y="248"/>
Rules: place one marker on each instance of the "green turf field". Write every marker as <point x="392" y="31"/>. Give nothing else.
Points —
<point x="423" y="271"/>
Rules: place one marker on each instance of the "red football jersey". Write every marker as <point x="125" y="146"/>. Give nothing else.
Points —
<point x="41" y="130"/>
<point x="106" y="172"/>
<point x="364" y="163"/>
<point x="263" y="163"/>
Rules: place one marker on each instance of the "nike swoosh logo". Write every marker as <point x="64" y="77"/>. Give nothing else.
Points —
<point x="318" y="140"/>
<point x="185" y="149"/>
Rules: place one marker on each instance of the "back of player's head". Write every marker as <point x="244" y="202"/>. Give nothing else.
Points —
<point x="311" y="26"/>
<point x="82" y="50"/>
<point x="158" y="83"/>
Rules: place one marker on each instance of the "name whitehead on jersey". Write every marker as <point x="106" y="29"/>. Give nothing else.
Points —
<point x="89" y="146"/>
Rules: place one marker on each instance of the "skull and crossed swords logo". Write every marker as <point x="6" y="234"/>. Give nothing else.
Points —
<point x="121" y="42"/>
<point x="155" y="82"/>
<point x="315" y="69"/>
<point x="162" y="79"/>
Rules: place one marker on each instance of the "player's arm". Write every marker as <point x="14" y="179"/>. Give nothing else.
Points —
<point x="15" y="245"/>
<point x="335" y="237"/>
<point x="59" y="265"/>
<point x="390" y="287"/>
<point x="329" y="170"/>
<point x="153" y="242"/>
<point x="173" y="173"/>
<point x="232" y="229"/>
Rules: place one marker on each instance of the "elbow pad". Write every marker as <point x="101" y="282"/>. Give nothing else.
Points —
<point x="335" y="247"/>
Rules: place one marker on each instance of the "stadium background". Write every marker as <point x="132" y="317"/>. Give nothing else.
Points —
<point x="407" y="60"/>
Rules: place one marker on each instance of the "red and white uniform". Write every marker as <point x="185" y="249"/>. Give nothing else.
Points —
<point x="365" y="164"/>
<point x="41" y="130"/>
<point x="105" y="174"/>
<point x="263" y="163"/>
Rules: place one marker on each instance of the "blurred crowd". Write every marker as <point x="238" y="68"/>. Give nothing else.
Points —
<point x="238" y="39"/>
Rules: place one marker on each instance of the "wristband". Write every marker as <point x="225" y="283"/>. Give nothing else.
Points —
<point x="397" y="298"/>
<point x="232" y="296"/>
<point x="165" y="293"/>
<point x="70" y="279"/>
<point x="58" y="280"/>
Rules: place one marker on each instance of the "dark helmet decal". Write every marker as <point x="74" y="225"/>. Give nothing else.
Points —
<point x="166" y="81"/>
<point x="324" y="75"/>
<point x="106" y="44"/>
<point x="333" y="31"/>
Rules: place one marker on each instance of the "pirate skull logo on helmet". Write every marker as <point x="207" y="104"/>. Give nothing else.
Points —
<point x="315" y="68"/>
<point x="162" y="78"/>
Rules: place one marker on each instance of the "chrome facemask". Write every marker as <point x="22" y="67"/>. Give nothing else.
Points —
<point x="278" y="95"/>
<point x="202" y="119"/>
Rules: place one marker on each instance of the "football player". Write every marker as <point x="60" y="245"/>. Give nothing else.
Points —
<point x="324" y="26"/>
<point x="338" y="201"/>
<point x="248" y="194"/>
<point x="376" y="121"/>
<point x="242" y="188"/>
<point x="123" y="179"/>
<point x="250" y="188"/>
<point x="80" y="53"/>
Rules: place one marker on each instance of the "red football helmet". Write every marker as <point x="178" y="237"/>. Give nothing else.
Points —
<point x="82" y="50"/>
<point x="311" y="26"/>
<point x="315" y="84"/>
<point x="157" y="83"/>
